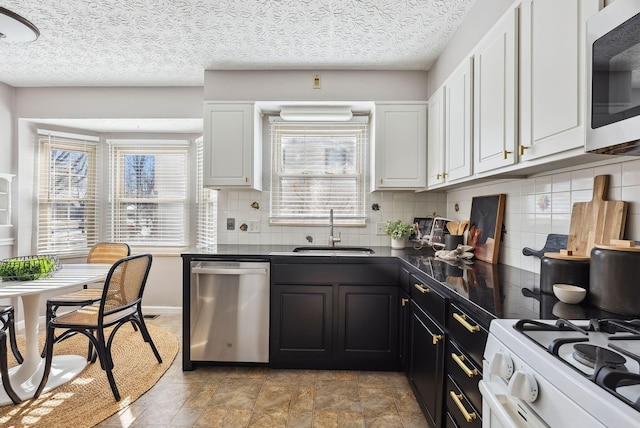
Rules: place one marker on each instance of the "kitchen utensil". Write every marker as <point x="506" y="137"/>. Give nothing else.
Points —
<point x="462" y="227"/>
<point x="452" y="227"/>
<point x="597" y="221"/>
<point x="568" y="293"/>
<point x="451" y="241"/>
<point x="614" y="277"/>
<point x="555" y="242"/>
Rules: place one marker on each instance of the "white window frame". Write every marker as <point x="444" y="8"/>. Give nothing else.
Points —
<point x="349" y="208"/>
<point x="85" y="234"/>
<point x="206" y="205"/>
<point x="167" y="232"/>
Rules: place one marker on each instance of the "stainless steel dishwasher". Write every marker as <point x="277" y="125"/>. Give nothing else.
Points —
<point x="229" y="311"/>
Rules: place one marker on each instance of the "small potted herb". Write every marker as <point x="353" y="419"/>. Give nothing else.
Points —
<point x="398" y="231"/>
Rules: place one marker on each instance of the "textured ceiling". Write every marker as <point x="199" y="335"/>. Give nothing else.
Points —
<point x="172" y="42"/>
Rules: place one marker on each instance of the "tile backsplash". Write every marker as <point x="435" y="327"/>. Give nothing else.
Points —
<point x="535" y="206"/>
<point x="541" y="204"/>
<point x="240" y="205"/>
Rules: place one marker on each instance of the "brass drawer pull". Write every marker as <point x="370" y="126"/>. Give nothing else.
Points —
<point x="436" y="338"/>
<point x="404" y="301"/>
<point x="505" y="154"/>
<point x="465" y="413"/>
<point x="422" y="288"/>
<point x="462" y="319"/>
<point x="459" y="359"/>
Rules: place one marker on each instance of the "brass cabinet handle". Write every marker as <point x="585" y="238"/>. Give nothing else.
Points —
<point x="438" y="176"/>
<point x="422" y="288"/>
<point x="505" y="154"/>
<point x="522" y="149"/>
<point x="459" y="359"/>
<point x="462" y="319"/>
<point x="404" y="301"/>
<point x="381" y="181"/>
<point x="436" y="338"/>
<point x="465" y="413"/>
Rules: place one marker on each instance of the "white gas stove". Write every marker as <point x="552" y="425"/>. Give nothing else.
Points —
<point x="562" y="374"/>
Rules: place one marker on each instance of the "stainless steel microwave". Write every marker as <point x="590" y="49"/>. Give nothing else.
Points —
<point x="613" y="79"/>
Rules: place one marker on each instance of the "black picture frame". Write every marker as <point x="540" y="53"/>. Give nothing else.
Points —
<point x="421" y="229"/>
<point x="485" y="226"/>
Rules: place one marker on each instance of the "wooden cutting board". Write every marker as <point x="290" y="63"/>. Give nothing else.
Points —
<point x="597" y="221"/>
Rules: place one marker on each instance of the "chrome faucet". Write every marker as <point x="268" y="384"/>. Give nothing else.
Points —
<point x="333" y="239"/>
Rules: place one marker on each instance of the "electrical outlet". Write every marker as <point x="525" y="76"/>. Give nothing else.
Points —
<point x="380" y="228"/>
<point x="254" y="226"/>
<point x="231" y="224"/>
<point x="317" y="82"/>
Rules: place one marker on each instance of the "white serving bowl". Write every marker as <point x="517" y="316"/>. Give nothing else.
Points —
<point x="569" y="293"/>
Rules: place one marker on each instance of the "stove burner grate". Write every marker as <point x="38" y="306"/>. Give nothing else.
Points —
<point x="592" y="356"/>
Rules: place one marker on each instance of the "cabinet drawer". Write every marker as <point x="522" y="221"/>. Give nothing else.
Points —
<point x="464" y="372"/>
<point x="429" y="300"/>
<point x="467" y="333"/>
<point x="334" y="273"/>
<point x="449" y="421"/>
<point x="459" y="407"/>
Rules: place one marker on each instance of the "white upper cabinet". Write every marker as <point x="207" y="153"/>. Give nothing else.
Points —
<point x="435" y="139"/>
<point x="400" y="145"/>
<point x="552" y="75"/>
<point x="495" y="95"/>
<point x="232" y="149"/>
<point x="458" y="120"/>
<point x="449" y="146"/>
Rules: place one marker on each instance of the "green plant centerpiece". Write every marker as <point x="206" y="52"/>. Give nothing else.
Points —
<point x="398" y="231"/>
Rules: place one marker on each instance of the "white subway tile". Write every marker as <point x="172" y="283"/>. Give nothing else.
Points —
<point x="631" y="173"/>
<point x="561" y="182"/>
<point x="582" y="179"/>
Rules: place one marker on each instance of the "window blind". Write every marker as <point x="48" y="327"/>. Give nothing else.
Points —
<point x="207" y="205"/>
<point x="67" y="212"/>
<point x="316" y="167"/>
<point x="148" y="195"/>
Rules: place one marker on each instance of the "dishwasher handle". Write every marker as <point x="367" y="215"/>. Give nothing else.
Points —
<point x="228" y="271"/>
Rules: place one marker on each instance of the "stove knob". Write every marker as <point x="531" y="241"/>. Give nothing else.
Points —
<point x="523" y="386"/>
<point x="501" y="365"/>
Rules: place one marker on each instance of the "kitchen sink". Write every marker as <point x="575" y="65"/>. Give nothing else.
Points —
<point x="345" y="251"/>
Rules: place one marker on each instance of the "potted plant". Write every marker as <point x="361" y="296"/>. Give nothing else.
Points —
<point x="398" y="231"/>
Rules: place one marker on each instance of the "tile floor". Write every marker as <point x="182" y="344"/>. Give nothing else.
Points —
<point x="231" y="397"/>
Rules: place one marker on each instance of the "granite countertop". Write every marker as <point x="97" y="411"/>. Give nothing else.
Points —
<point x="494" y="290"/>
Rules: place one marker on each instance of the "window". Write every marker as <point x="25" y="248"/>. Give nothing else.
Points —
<point x="207" y="205"/>
<point x="148" y="196"/>
<point x="315" y="167"/>
<point x="67" y="187"/>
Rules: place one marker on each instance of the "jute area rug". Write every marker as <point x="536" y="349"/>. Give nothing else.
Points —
<point x="88" y="400"/>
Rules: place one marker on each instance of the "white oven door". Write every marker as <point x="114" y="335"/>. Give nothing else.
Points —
<point x="499" y="410"/>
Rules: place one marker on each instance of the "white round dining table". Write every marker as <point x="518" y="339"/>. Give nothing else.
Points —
<point x="26" y="377"/>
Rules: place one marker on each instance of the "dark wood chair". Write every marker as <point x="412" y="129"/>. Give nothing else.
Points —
<point x="120" y="303"/>
<point x="7" y="324"/>
<point x="102" y="253"/>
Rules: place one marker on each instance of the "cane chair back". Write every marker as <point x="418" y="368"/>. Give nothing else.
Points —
<point x="108" y="252"/>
